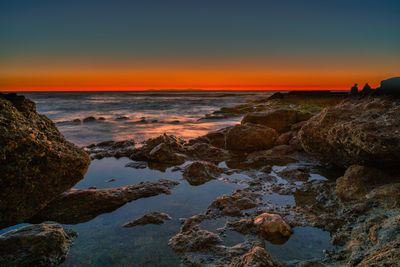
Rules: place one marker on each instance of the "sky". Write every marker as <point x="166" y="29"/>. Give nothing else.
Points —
<point x="219" y="44"/>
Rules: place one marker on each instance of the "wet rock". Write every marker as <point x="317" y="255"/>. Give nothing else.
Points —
<point x="256" y="257"/>
<point x="234" y="204"/>
<point x="217" y="138"/>
<point x="272" y="224"/>
<point x="200" y="172"/>
<point x="137" y="165"/>
<point x="250" y="137"/>
<point x="359" y="131"/>
<point x="111" y="148"/>
<point x="89" y="119"/>
<point x="149" y="218"/>
<point x="358" y="181"/>
<point x="44" y="244"/>
<point x="81" y="205"/>
<point x="281" y="119"/>
<point x="200" y="240"/>
<point x="205" y="151"/>
<point x="295" y="173"/>
<point x="122" y="118"/>
<point x="162" y="153"/>
<point x="110" y="180"/>
<point x="36" y="162"/>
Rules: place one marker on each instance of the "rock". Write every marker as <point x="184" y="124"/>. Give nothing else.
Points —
<point x="281" y="119"/>
<point x="200" y="172"/>
<point x="233" y="205"/>
<point x="284" y="138"/>
<point x="111" y="148"/>
<point x="110" y="180"/>
<point x="295" y="173"/>
<point x="390" y="86"/>
<point x="358" y="181"/>
<point x="44" y="244"/>
<point x="250" y="137"/>
<point x="217" y="138"/>
<point x="388" y="195"/>
<point x="89" y="119"/>
<point x="272" y="224"/>
<point x="257" y="257"/>
<point x="200" y="240"/>
<point x="92" y="187"/>
<point x="122" y="118"/>
<point x="359" y="131"/>
<point x="81" y="205"/>
<point x="163" y="154"/>
<point x="149" y="218"/>
<point x="137" y="165"/>
<point x="205" y="151"/>
<point x="36" y="162"/>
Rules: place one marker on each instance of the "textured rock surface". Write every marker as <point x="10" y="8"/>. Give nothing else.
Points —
<point x="200" y="172"/>
<point x="44" y="244"/>
<point x="272" y="224"/>
<point x="149" y="218"/>
<point x="36" y="162"/>
<point x="358" y="131"/>
<point x="257" y="257"/>
<point x="250" y="137"/>
<point x="281" y="120"/>
<point x="81" y="205"/>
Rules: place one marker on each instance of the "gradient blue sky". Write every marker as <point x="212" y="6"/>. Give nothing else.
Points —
<point x="197" y="44"/>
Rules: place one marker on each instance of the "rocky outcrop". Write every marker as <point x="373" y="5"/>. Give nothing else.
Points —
<point x="81" y="205"/>
<point x="200" y="240"/>
<point x="234" y="204"/>
<point x="163" y="149"/>
<point x="149" y="218"/>
<point x="250" y="137"/>
<point x="44" y="244"/>
<point x="36" y="162"/>
<point x="390" y="86"/>
<point x="358" y="181"/>
<point x="279" y="119"/>
<point x="359" y="131"/>
<point x="111" y="148"/>
<point x="200" y="172"/>
<point x="257" y="257"/>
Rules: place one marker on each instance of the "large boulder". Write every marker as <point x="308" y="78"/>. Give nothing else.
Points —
<point x="44" y="244"/>
<point x="358" y="181"/>
<point x="358" y="131"/>
<point x="281" y="119"/>
<point x="36" y="162"/>
<point x="272" y="224"/>
<point x="250" y="137"/>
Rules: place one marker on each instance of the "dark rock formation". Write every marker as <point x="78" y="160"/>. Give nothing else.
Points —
<point x="390" y="86"/>
<point x="44" y="244"/>
<point x="257" y="257"/>
<point x="111" y="148"/>
<point x="359" y="131"/>
<point x="36" y="162"/>
<point x="149" y="218"/>
<point x="81" y="205"/>
<point x="233" y="205"/>
<point x="200" y="172"/>
<point x="89" y="119"/>
<point x="250" y="137"/>
<point x="281" y="120"/>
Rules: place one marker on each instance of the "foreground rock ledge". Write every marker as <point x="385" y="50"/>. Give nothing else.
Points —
<point x="44" y="244"/>
<point x="82" y="205"/>
<point x="36" y="162"/>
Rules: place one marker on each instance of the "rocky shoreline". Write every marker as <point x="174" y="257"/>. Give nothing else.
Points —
<point x="355" y="140"/>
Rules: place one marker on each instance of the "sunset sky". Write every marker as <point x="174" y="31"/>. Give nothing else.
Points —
<point x="219" y="44"/>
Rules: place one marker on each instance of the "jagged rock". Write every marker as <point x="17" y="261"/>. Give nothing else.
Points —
<point x="272" y="224"/>
<point x="36" y="162"/>
<point x="200" y="172"/>
<point x="280" y="119"/>
<point x="81" y="205"/>
<point x="250" y="137"/>
<point x="217" y="138"/>
<point x="359" y="131"/>
<point x="358" y="181"/>
<point x="111" y="148"/>
<point x="200" y="240"/>
<point x="233" y="205"/>
<point x="44" y="244"/>
<point x="162" y="153"/>
<point x="257" y="257"/>
<point x="149" y="218"/>
<point x="204" y="151"/>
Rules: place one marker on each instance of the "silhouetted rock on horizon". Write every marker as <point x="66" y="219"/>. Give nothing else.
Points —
<point x="44" y="244"/>
<point x="363" y="131"/>
<point x="36" y="162"/>
<point x="390" y="86"/>
<point x="81" y="205"/>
